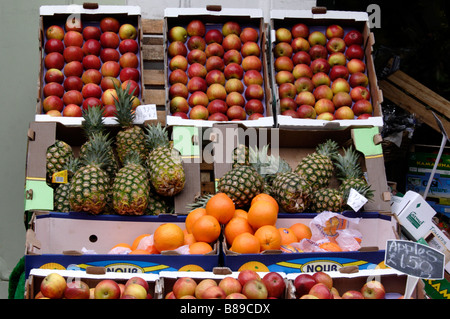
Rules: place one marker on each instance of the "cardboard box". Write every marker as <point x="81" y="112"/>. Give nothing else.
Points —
<point x="90" y="14"/>
<point x="393" y="281"/>
<point x="375" y="228"/>
<point x="294" y="144"/>
<point x="91" y="277"/>
<point x="215" y="17"/>
<point x="64" y="240"/>
<point x="318" y="21"/>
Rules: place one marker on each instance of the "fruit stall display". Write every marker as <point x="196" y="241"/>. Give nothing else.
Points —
<point x="322" y="67"/>
<point x="215" y="65"/>
<point x="85" y="56"/>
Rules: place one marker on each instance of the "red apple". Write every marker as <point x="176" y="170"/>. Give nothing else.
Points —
<point x="318" y="51"/>
<point x="109" y="54"/>
<point x="251" y="62"/>
<point x="358" y="79"/>
<point x="54" y="113"/>
<point x="73" y="68"/>
<point x="282" y="77"/>
<point x="250" y="48"/>
<point x="323" y="92"/>
<point x="249" y="34"/>
<point x="216" y="91"/>
<point x="232" y="56"/>
<point x="72" y="110"/>
<point x="196" y="56"/>
<point x="304" y="84"/>
<point x="73" y="53"/>
<point x="109" y="97"/>
<point x="342" y="99"/>
<point x="109" y="111"/>
<point x="178" y="62"/>
<point x="91" y="62"/>
<point x="53" y="286"/>
<point x="361" y="107"/>
<point x="235" y="98"/>
<point x="321" y="291"/>
<point x="110" y="68"/>
<point x="184" y="286"/>
<point x="73" y="97"/>
<point x="283" y="63"/>
<point x="91" y="32"/>
<point x="360" y="93"/>
<point x="127" y="31"/>
<point x="344" y="113"/>
<point x="230" y="284"/>
<point x="321" y="78"/>
<point x="255" y="116"/>
<point x="109" y="24"/>
<point x="215" y="76"/>
<point x="92" y="76"/>
<point x="215" y="63"/>
<point x="286" y="103"/>
<point x="53" y="88"/>
<point x="320" y="65"/>
<point x="179" y="104"/>
<point x="302" y="70"/>
<point x="255" y="91"/>
<point x="138" y="280"/>
<point x="352" y="294"/>
<point x="54" y="45"/>
<point x="340" y="85"/>
<point x="218" y="117"/>
<point x="324" y="106"/>
<point x="339" y="71"/>
<point x="334" y="31"/>
<point x="275" y="284"/>
<point x="134" y="291"/>
<point x="247" y="275"/>
<point x="234" y="85"/>
<point x="196" y="84"/>
<point x="129" y="60"/>
<point x="73" y="83"/>
<point x="54" y="32"/>
<point x="73" y="23"/>
<point x="109" y="39"/>
<point x="231" y="42"/>
<point x="178" y="76"/>
<point x="337" y="58"/>
<point x="202" y="286"/>
<point x="231" y="27"/>
<point x="300" y="45"/>
<point x="236" y="112"/>
<point x="255" y="289"/>
<point x="178" y="89"/>
<point x="92" y="46"/>
<point x="317" y="37"/>
<point x="214" y="292"/>
<point x="129" y="74"/>
<point x="353" y="37"/>
<point x="196" y="42"/>
<point x="91" y="102"/>
<point x="305" y="98"/>
<point x="306" y="112"/>
<point x="175" y="48"/>
<point x="290" y="113"/>
<point x="356" y="65"/>
<point x="107" y="289"/>
<point x="283" y="35"/>
<point x="198" y="98"/>
<point x="73" y="38"/>
<point x="52" y="102"/>
<point x="253" y="77"/>
<point x="196" y="28"/>
<point x="213" y="36"/>
<point x="54" y="75"/>
<point x="177" y="33"/>
<point x="300" y="30"/>
<point x="217" y="106"/>
<point x="233" y="70"/>
<point x="364" y="116"/>
<point x="199" y="112"/>
<point x="108" y="82"/>
<point x="287" y="90"/>
<point x="301" y="57"/>
<point x="196" y="69"/>
<point x="130" y="45"/>
<point x="326" y="116"/>
<point x="283" y="49"/>
<point x="54" y="60"/>
<point x="254" y="106"/>
<point x="132" y="86"/>
<point x="336" y="45"/>
<point x="308" y="296"/>
<point x="373" y="290"/>
<point x="355" y="51"/>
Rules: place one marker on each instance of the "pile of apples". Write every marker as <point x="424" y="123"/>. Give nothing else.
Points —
<point x="83" y="63"/>
<point x="321" y="75"/>
<point x="319" y="285"/>
<point x="215" y="73"/>
<point x="247" y="285"/>
<point x="55" y="286"/>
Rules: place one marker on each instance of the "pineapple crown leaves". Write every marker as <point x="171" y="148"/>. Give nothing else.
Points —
<point x="347" y="165"/>
<point x="329" y="148"/>
<point x="267" y="165"/>
<point x="365" y="190"/>
<point x="124" y="105"/>
<point x="157" y="136"/>
<point x="93" y="120"/>
<point x="97" y="150"/>
<point x="132" y="157"/>
<point x="199" y="202"/>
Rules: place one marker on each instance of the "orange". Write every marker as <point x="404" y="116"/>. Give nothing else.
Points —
<point x="287" y="236"/>
<point x="269" y="237"/>
<point x="236" y="226"/>
<point x="240" y="213"/>
<point x="221" y="207"/>
<point x="189" y="239"/>
<point x="200" y="247"/>
<point x="262" y="213"/>
<point x="301" y="231"/>
<point x="246" y="243"/>
<point x="123" y="245"/>
<point x="120" y="248"/>
<point x="207" y="229"/>
<point x="168" y="236"/>
<point x="137" y="240"/>
<point x="192" y="217"/>
<point x="330" y="246"/>
<point x="266" y="197"/>
<point x="139" y="252"/>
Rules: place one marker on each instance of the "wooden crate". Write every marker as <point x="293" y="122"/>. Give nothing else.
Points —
<point x="417" y="99"/>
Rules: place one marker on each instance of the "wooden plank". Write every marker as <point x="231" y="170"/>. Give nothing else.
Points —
<point x="153" y="53"/>
<point x="421" y="92"/>
<point x="152" y="26"/>
<point x="153" y="77"/>
<point x="155" y="97"/>
<point x="408" y="103"/>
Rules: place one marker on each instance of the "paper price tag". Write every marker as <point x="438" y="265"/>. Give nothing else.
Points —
<point x="356" y="200"/>
<point x="146" y="112"/>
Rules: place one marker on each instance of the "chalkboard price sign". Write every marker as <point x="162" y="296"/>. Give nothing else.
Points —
<point x="414" y="259"/>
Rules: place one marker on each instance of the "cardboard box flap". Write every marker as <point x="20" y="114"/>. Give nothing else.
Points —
<point x="78" y="9"/>
<point x="329" y="14"/>
<point x="250" y="12"/>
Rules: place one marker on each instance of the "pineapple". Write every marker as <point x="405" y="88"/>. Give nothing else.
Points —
<point x="61" y="193"/>
<point x="58" y="155"/>
<point x="90" y="186"/>
<point x="164" y="163"/>
<point x="131" y="187"/>
<point x="318" y="167"/>
<point x="157" y="205"/>
<point x="93" y="124"/>
<point x="292" y="192"/>
<point x="240" y="155"/>
<point x="131" y="137"/>
<point x="327" y="199"/>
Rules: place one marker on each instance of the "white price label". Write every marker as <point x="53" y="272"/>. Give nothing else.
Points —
<point x="356" y="200"/>
<point x="146" y="112"/>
